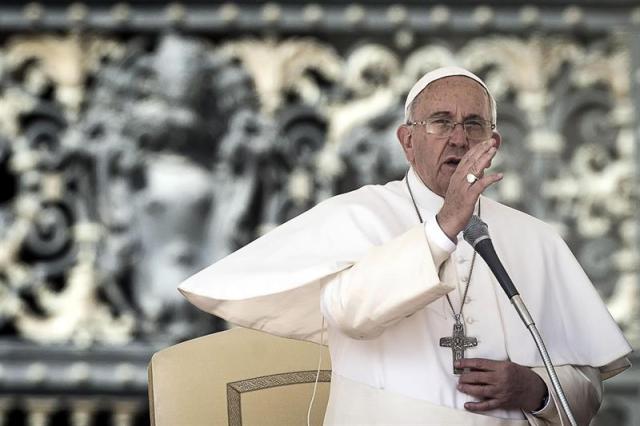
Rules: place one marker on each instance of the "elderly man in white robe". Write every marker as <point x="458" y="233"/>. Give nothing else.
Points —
<point x="387" y="268"/>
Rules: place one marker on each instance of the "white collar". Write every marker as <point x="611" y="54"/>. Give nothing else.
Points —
<point x="425" y="198"/>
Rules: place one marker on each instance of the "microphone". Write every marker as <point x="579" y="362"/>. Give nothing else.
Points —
<point x="477" y="234"/>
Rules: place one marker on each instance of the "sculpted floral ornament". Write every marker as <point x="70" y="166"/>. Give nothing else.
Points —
<point x="94" y="175"/>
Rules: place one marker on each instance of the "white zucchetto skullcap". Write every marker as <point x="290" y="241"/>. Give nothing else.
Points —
<point x="443" y="72"/>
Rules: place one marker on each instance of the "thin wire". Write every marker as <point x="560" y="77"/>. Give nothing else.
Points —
<point x="315" y="384"/>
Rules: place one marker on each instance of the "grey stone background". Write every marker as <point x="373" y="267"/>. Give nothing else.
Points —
<point x="141" y="141"/>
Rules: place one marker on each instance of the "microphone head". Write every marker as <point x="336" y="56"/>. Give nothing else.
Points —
<point x="475" y="231"/>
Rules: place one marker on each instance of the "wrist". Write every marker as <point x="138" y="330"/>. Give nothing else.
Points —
<point x="447" y="229"/>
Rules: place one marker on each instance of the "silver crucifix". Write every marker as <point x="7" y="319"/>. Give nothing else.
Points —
<point x="458" y="342"/>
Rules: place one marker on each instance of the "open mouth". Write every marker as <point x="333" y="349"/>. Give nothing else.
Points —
<point x="452" y="162"/>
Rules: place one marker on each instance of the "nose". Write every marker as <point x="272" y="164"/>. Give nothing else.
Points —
<point x="458" y="137"/>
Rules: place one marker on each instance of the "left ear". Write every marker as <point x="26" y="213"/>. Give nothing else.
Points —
<point x="496" y="136"/>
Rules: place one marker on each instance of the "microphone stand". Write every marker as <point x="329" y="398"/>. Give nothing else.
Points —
<point x="477" y="234"/>
<point x="522" y="310"/>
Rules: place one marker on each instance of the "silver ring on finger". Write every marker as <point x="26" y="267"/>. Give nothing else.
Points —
<point x="471" y="178"/>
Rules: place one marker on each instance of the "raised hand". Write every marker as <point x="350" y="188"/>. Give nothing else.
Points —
<point x="461" y="196"/>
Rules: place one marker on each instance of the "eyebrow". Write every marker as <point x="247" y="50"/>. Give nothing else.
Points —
<point x="448" y="114"/>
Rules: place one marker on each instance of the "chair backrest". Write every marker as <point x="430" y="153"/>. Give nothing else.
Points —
<point x="238" y="377"/>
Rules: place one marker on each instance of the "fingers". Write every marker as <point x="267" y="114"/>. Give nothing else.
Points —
<point x="489" y="404"/>
<point x="488" y="395"/>
<point x="475" y="161"/>
<point x="481" y="160"/>
<point x="477" y="384"/>
<point x="479" y="391"/>
<point x="482" y="364"/>
<point x="481" y="184"/>
<point x="499" y="384"/>
<point x="475" y="378"/>
<point x="484" y="160"/>
<point x="479" y="157"/>
<point x="462" y="194"/>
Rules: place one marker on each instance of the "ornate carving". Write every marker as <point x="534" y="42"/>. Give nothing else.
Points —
<point x="296" y="67"/>
<point x="170" y="141"/>
<point x="127" y="164"/>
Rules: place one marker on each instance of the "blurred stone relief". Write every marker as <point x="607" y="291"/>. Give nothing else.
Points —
<point x="129" y="163"/>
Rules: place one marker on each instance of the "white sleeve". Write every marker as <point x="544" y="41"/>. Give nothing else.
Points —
<point x="436" y="235"/>
<point x="391" y="282"/>
<point x="582" y="386"/>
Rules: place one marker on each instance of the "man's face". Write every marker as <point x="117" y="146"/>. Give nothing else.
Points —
<point x="435" y="158"/>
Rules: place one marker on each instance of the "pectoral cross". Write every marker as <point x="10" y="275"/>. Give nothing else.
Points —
<point x="458" y="342"/>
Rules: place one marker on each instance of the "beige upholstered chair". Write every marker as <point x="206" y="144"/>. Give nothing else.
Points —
<point x="238" y="377"/>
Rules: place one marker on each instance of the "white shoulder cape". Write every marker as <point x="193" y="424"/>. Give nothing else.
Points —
<point x="274" y="283"/>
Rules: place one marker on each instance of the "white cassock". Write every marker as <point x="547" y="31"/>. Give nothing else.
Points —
<point x="379" y="277"/>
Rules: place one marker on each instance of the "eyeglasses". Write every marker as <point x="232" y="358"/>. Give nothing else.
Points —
<point x="474" y="129"/>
